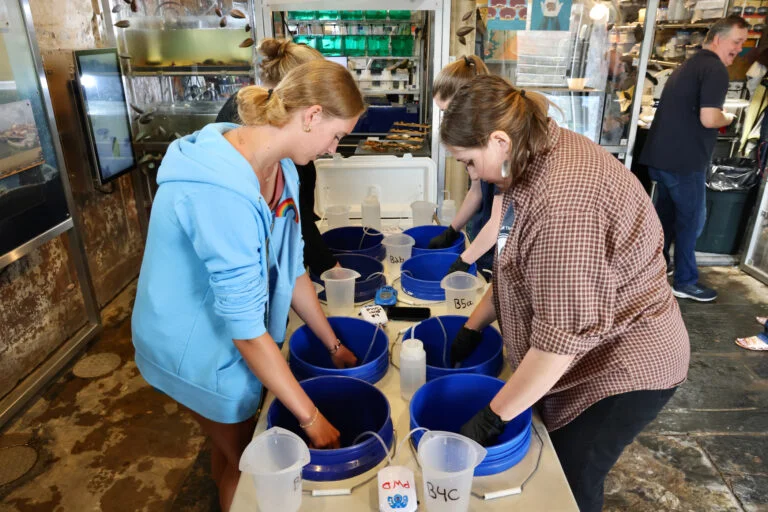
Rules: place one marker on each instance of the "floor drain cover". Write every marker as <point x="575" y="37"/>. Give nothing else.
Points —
<point x="96" y="365"/>
<point x="15" y="461"/>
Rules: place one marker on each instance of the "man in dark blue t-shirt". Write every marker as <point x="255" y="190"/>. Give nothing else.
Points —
<point x="680" y="145"/>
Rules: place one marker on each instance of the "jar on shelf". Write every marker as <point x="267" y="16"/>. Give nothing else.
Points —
<point x="302" y="15"/>
<point x="402" y="46"/>
<point x="378" y="46"/>
<point x="327" y="15"/>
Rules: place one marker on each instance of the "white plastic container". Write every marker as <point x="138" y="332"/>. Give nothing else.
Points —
<point x="340" y="291"/>
<point x="447" y="211"/>
<point x="398" y="249"/>
<point x="422" y="212"/>
<point x="337" y="216"/>
<point x="460" y="292"/>
<point x="274" y="459"/>
<point x="371" y="209"/>
<point x="413" y="367"/>
<point x="448" y="462"/>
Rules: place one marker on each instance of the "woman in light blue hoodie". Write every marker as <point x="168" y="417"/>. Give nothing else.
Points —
<point x="223" y="262"/>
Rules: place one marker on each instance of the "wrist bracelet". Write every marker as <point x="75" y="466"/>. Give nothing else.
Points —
<point x="312" y="421"/>
<point x="335" y="348"/>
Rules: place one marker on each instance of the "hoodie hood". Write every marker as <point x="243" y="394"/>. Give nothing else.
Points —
<point x="207" y="157"/>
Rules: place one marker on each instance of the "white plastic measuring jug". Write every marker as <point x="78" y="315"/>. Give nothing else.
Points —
<point x="275" y="459"/>
<point x="340" y="291"/>
<point x="422" y="212"/>
<point x="460" y="292"/>
<point x="398" y="248"/>
<point x="337" y="215"/>
<point x="448" y="462"/>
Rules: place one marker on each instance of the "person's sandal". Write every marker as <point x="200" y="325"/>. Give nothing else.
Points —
<point x="757" y="343"/>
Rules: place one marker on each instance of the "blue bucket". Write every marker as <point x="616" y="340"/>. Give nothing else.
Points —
<point x="355" y="240"/>
<point x="420" y="276"/>
<point x="353" y="407"/>
<point x="365" y="285"/>
<point x="487" y="359"/>
<point x="449" y="402"/>
<point x="309" y="357"/>
<point x="423" y="234"/>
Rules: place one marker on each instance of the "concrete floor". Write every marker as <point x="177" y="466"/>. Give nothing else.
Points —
<point x="112" y="443"/>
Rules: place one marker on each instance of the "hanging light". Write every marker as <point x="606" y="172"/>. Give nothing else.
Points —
<point x="598" y="12"/>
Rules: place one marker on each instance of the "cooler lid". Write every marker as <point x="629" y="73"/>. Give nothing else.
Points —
<point x="399" y="181"/>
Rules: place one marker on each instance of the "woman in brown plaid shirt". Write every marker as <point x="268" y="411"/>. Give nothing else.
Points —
<point x="590" y="326"/>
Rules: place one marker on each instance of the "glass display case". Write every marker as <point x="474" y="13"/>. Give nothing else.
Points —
<point x="35" y="198"/>
<point x="180" y="63"/>
<point x="393" y="53"/>
<point x="585" y="56"/>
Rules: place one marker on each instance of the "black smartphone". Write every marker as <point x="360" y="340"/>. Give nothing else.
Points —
<point x="408" y="314"/>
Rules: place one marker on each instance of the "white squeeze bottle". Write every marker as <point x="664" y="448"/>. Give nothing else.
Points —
<point x="371" y="210"/>
<point x="413" y="367"/>
<point x="448" y="209"/>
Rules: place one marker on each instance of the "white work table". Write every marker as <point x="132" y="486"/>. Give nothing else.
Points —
<point x="546" y="489"/>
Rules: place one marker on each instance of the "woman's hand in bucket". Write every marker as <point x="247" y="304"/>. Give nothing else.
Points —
<point x="465" y="342"/>
<point x="444" y="239"/>
<point x="322" y="435"/>
<point x="344" y="358"/>
<point x="484" y="427"/>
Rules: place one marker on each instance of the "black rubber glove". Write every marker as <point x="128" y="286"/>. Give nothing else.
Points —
<point x="458" y="266"/>
<point x="465" y="342"/>
<point x="484" y="427"/>
<point x="444" y="239"/>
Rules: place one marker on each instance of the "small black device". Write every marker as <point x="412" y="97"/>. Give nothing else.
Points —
<point x="408" y="314"/>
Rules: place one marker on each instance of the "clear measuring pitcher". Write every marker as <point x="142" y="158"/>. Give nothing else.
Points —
<point x="274" y="459"/>
<point x="460" y="292"/>
<point x="448" y="462"/>
<point x="422" y="212"/>
<point x="340" y="291"/>
<point x="398" y="249"/>
<point x="337" y="215"/>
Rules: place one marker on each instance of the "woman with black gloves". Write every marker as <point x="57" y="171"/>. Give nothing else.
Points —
<point x="591" y="329"/>
<point x="278" y="58"/>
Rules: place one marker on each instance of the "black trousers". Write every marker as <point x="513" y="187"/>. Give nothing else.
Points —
<point x="590" y="445"/>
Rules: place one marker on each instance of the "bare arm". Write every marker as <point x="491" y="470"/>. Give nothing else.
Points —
<point x="469" y="206"/>
<point x="714" y="117"/>
<point x="268" y="364"/>
<point x="538" y="372"/>
<point x="486" y="238"/>
<point x="484" y="313"/>
<point x="304" y="302"/>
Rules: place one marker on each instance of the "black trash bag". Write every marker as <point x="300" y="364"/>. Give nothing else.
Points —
<point x="732" y="174"/>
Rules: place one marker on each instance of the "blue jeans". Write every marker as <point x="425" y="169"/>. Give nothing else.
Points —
<point x="682" y="209"/>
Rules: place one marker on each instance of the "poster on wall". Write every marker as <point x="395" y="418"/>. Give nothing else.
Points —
<point x="19" y="142"/>
<point x="551" y="15"/>
<point x="501" y="46"/>
<point x="507" y="14"/>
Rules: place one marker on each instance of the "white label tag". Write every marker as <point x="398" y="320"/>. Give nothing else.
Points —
<point x="374" y="314"/>
<point x="397" y="489"/>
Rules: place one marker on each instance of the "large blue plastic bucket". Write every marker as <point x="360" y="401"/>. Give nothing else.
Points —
<point x="487" y="359"/>
<point x="420" y="276"/>
<point x="365" y="285"/>
<point x="309" y="357"/>
<point x="355" y="240"/>
<point x="423" y="234"/>
<point x="353" y="407"/>
<point x="449" y="402"/>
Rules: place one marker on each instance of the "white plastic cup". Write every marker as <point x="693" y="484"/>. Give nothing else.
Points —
<point x="340" y="290"/>
<point x="274" y="459"/>
<point x="422" y="212"/>
<point x="398" y="249"/>
<point x="460" y="292"/>
<point x="448" y="462"/>
<point x="337" y="216"/>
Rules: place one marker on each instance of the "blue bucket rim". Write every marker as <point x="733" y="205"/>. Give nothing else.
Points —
<point x="463" y="369"/>
<point x="369" y="441"/>
<point x="434" y="290"/>
<point x="372" y="232"/>
<point x="451" y="248"/>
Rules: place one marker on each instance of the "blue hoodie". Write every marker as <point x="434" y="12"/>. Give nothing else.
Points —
<point x="218" y="265"/>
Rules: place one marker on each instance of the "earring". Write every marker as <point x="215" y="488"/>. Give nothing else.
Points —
<point x="307" y="128"/>
<point x="505" y="169"/>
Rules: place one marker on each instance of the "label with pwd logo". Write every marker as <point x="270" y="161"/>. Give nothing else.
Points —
<point x="397" y="489"/>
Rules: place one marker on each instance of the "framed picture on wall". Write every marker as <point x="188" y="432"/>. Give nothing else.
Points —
<point x="19" y="141"/>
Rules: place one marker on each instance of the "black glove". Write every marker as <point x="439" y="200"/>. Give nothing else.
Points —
<point x="444" y="239"/>
<point x="458" y="266"/>
<point x="484" y="427"/>
<point x="465" y="342"/>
